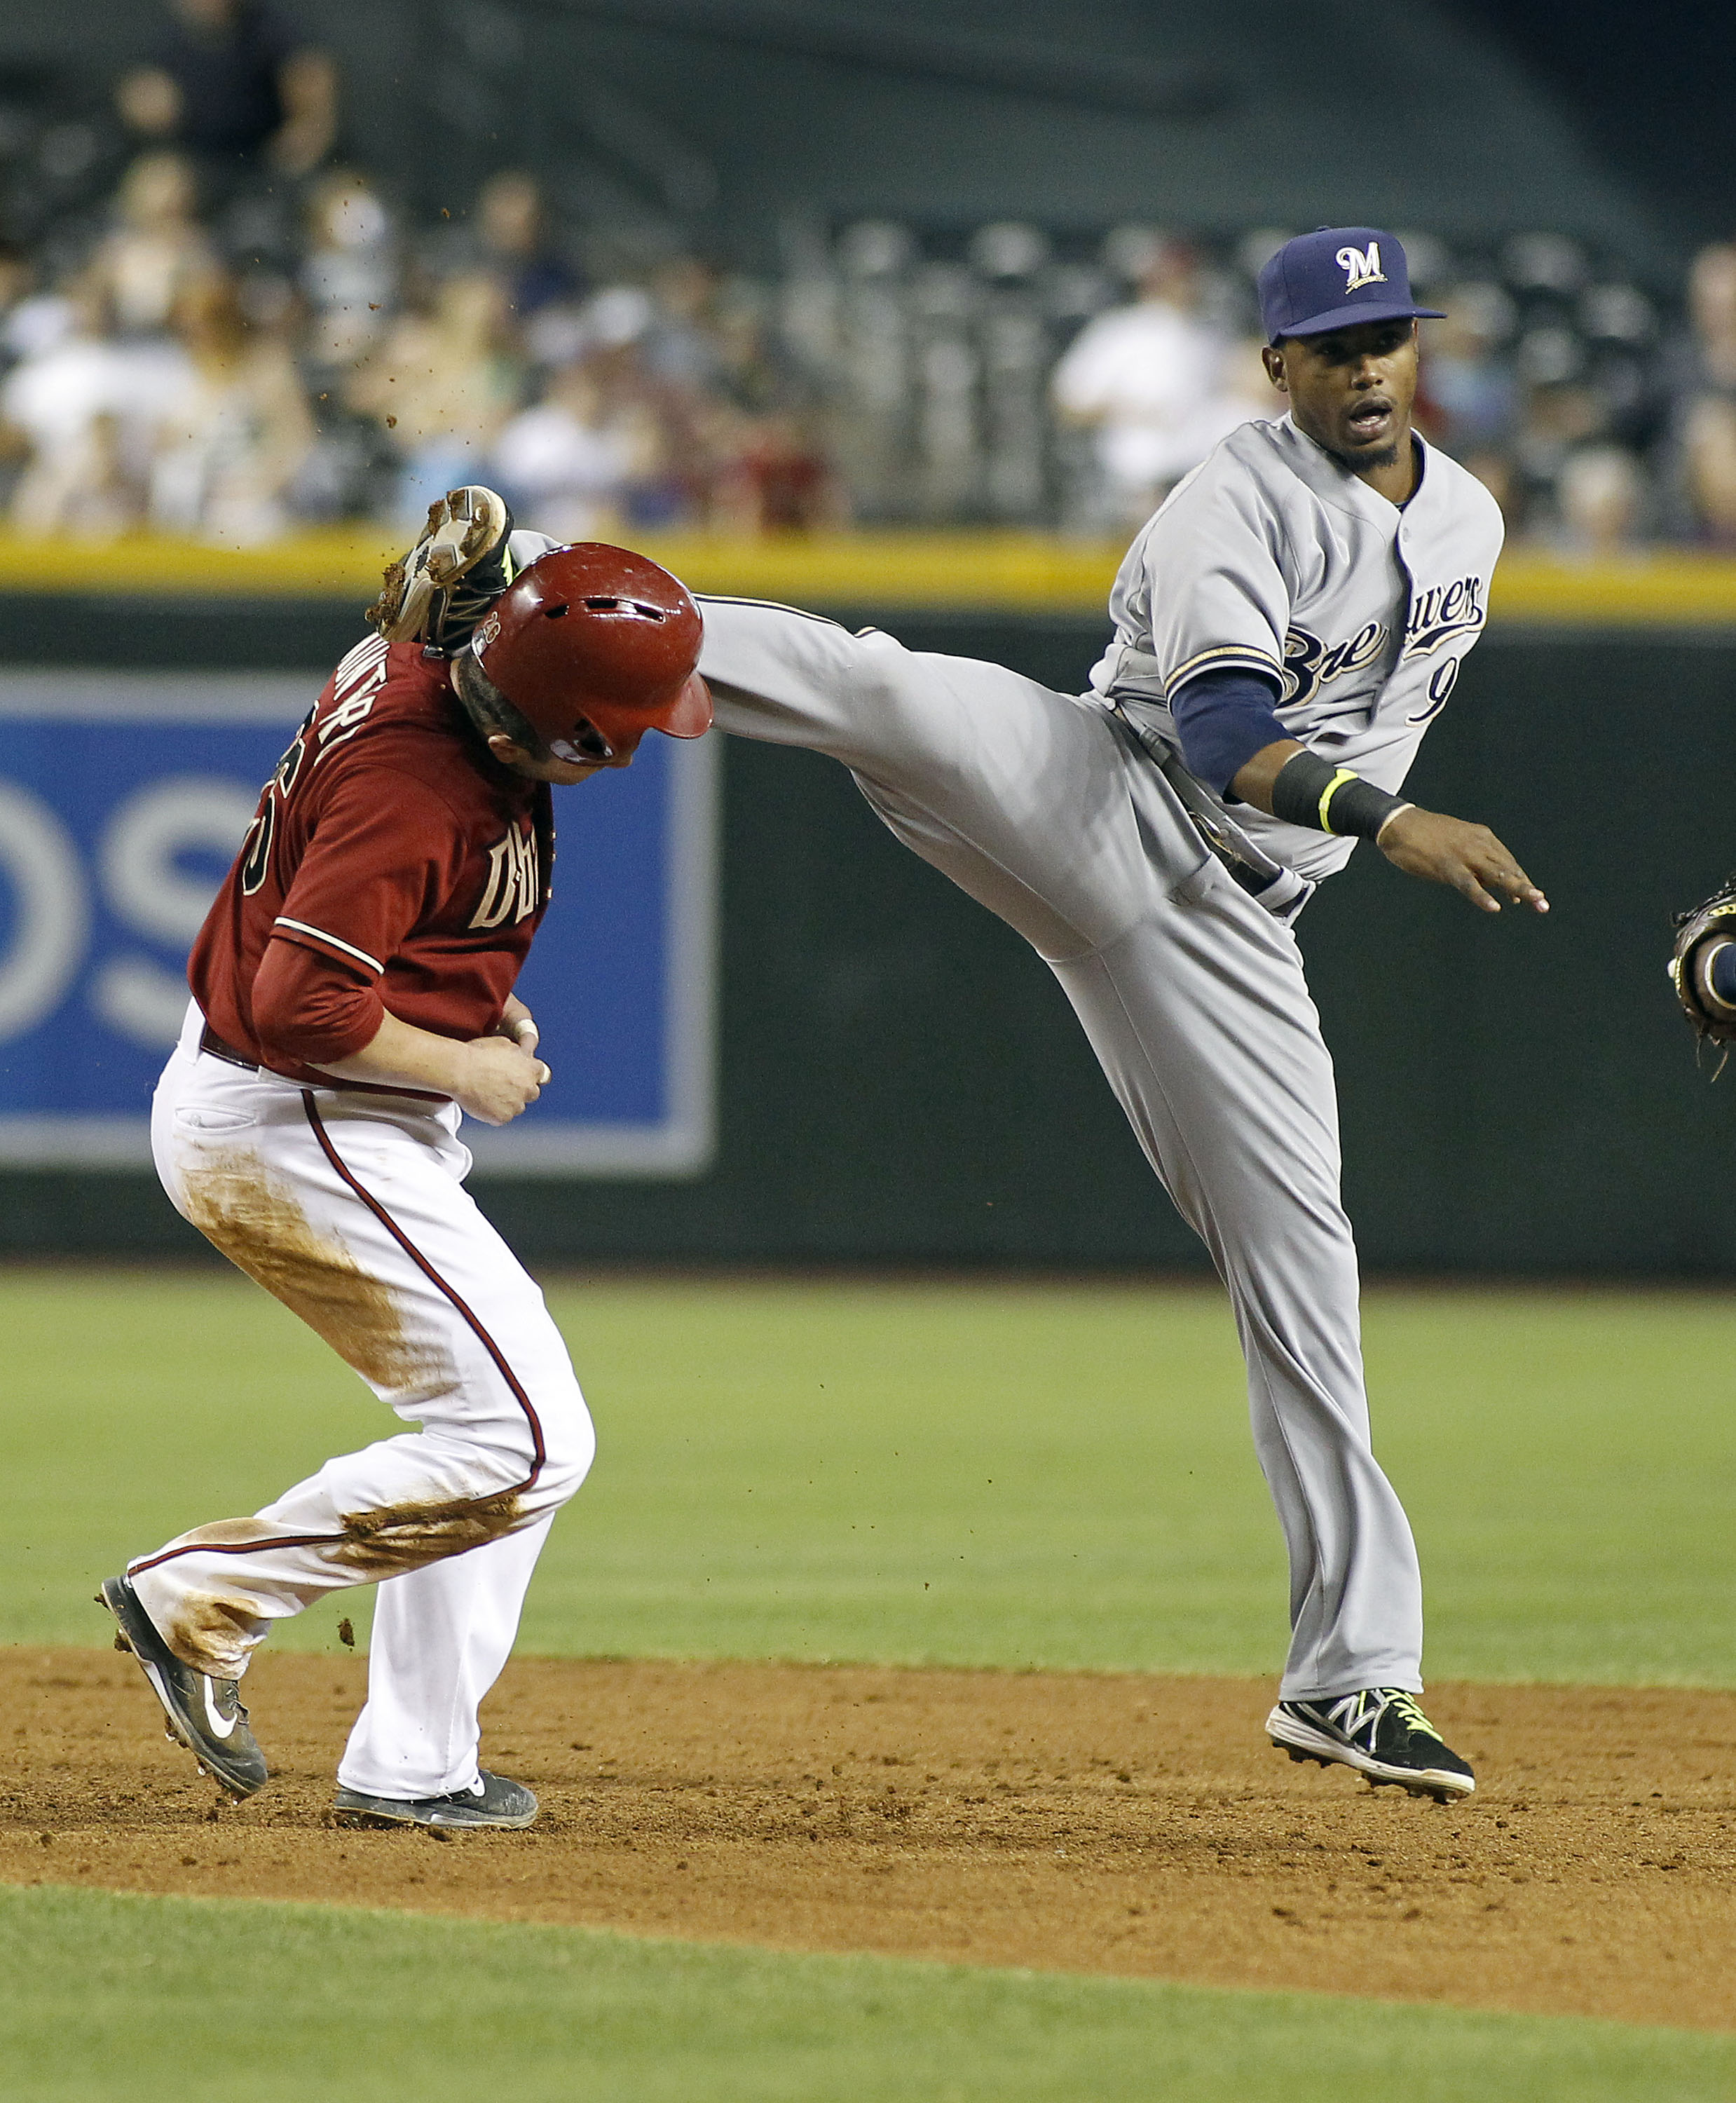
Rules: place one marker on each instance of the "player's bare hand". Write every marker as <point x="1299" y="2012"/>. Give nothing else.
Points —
<point x="498" y="1080"/>
<point x="518" y="1024"/>
<point x="1468" y="858"/>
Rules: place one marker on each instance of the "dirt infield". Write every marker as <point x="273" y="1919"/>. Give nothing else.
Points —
<point x="1133" y="1826"/>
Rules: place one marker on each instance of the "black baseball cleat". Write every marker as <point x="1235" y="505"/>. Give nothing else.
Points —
<point x="1378" y="1731"/>
<point x="493" y="1803"/>
<point x="205" y="1715"/>
<point x="437" y="593"/>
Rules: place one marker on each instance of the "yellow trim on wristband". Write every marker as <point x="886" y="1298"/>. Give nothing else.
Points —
<point x="1330" y="791"/>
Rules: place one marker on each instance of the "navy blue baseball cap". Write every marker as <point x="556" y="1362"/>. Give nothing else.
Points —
<point x="1336" y="278"/>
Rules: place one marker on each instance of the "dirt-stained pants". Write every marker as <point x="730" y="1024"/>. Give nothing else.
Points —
<point x="349" y="1207"/>
<point x="1042" y="808"/>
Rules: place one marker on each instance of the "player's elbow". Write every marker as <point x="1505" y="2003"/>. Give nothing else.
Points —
<point x="1223" y="719"/>
<point x="309" y="1012"/>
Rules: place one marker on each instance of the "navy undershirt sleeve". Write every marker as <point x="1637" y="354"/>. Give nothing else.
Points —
<point x="1223" y="718"/>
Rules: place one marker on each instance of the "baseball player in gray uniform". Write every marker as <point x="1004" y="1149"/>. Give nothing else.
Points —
<point x="1286" y="627"/>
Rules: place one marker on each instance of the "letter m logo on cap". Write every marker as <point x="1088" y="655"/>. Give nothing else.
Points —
<point x="1361" y="266"/>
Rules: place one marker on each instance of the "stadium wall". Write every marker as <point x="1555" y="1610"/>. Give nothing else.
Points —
<point x="899" y="1079"/>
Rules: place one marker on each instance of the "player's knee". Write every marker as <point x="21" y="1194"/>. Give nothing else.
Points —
<point x="569" y="1441"/>
<point x="890" y="686"/>
<point x="882" y="670"/>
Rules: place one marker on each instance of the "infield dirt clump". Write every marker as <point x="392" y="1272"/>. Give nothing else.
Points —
<point x="1072" y="1822"/>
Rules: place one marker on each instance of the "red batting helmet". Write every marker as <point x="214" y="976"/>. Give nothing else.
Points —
<point x="598" y="635"/>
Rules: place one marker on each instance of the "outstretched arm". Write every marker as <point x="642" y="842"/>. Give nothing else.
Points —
<point x="1468" y="858"/>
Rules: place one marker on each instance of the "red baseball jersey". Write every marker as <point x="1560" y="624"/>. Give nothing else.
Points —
<point x="408" y="869"/>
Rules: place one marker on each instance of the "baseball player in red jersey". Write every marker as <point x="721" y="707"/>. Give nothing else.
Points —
<point x="352" y="996"/>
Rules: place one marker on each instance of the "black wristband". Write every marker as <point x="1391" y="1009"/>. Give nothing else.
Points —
<point x="1311" y="791"/>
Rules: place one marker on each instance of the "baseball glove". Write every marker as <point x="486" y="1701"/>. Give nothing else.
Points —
<point x="1700" y="932"/>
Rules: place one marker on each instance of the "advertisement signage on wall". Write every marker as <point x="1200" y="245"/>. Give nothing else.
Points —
<point x="123" y="797"/>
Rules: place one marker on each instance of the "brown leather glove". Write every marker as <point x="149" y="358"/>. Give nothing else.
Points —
<point x="1700" y="932"/>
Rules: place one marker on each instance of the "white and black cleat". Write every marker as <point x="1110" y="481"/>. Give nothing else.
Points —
<point x="1381" y="1732"/>
<point x="204" y="1715"/>
<point x="495" y="1804"/>
<point x="438" y="592"/>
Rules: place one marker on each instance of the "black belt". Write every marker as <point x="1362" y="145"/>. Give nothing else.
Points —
<point x="214" y="1048"/>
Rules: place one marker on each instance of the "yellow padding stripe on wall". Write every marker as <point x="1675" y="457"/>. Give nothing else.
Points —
<point x="1030" y="572"/>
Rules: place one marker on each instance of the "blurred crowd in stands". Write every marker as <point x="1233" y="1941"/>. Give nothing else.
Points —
<point x="213" y="323"/>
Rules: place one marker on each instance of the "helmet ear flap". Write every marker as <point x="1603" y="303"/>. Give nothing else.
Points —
<point x="585" y="746"/>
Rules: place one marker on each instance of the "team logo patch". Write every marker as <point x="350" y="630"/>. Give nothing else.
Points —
<point x="1361" y="266"/>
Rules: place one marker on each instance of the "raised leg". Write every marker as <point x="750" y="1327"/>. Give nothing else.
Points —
<point x="1195" y="1001"/>
<point x="1018" y="793"/>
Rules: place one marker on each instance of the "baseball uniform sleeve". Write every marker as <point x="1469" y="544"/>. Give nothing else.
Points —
<point x="383" y="852"/>
<point x="1219" y="602"/>
<point x="311" y="1010"/>
<point x="1222" y="718"/>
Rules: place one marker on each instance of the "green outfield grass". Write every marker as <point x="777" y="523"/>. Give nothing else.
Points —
<point x="152" y="2000"/>
<point x="979" y="1473"/>
<point x="982" y="1474"/>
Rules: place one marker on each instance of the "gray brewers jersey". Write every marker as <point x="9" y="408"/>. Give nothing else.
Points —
<point x="1272" y="557"/>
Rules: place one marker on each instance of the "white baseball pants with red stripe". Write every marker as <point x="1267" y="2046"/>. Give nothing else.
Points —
<point x="350" y="1208"/>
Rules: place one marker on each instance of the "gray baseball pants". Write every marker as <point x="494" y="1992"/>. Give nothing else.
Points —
<point x="1046" y="811"/>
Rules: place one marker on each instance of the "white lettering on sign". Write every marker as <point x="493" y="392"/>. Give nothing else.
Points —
<point x="148" y="889"/>
<point x="51" y="923"/>
<point x="185" y="814"/>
